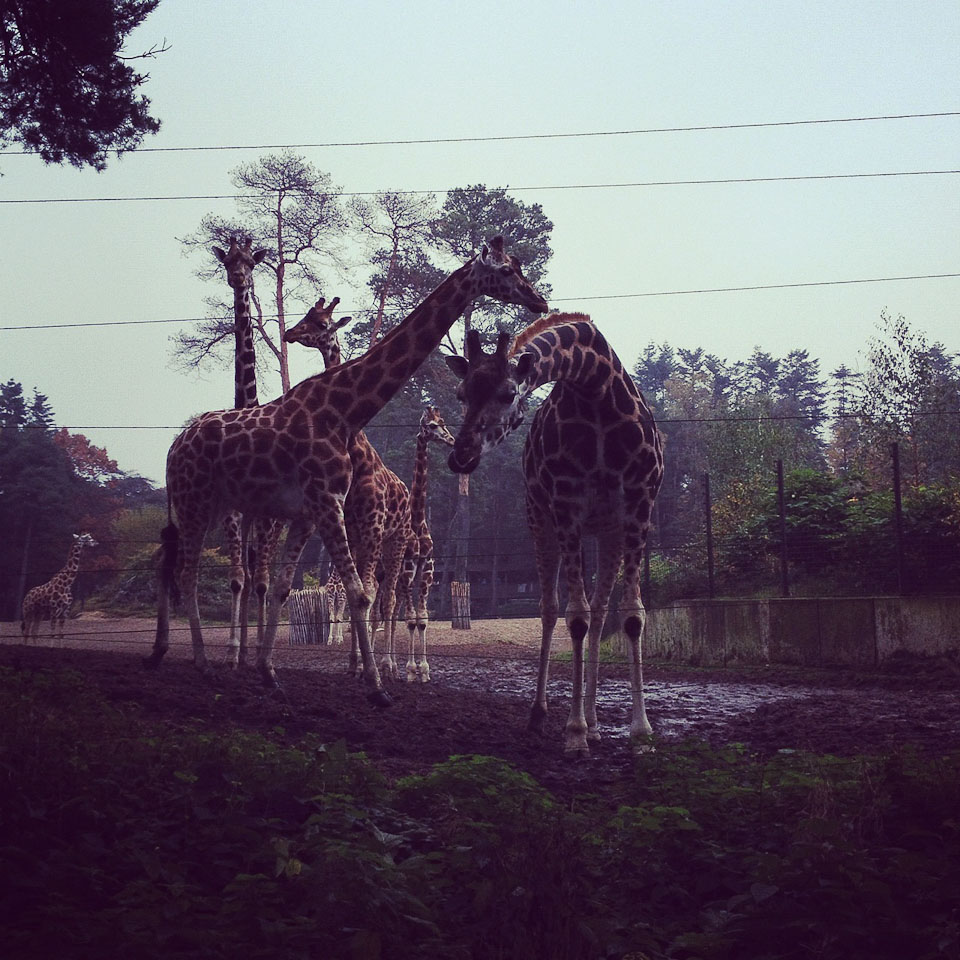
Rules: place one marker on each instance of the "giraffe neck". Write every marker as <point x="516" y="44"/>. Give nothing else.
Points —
<point x="245" y="359"/>
<point x="575" y="352"/>
<point x="360" y="388"/>
<point x="69" y="573"/>
<point x="418" y="485"/>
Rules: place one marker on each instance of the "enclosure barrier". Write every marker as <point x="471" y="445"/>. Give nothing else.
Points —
<point x="309" y="616"/>
<point x="822" y="631"/>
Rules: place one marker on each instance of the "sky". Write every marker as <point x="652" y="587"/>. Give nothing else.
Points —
<point x="290" y="72"/>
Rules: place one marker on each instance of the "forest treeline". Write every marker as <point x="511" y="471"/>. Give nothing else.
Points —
<point x="731" y="420"/>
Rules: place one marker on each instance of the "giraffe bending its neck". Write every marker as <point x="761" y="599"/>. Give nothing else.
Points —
<point x="52" y="600"/>
<point x="592" y="464"/>
<point x="432" y="428"/>
<point x="377" y="508"/>
<point x="290" y="458"/>
<point x="239" y="261"/>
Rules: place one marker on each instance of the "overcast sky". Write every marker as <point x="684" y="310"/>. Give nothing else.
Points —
<point x="277" y="72"/>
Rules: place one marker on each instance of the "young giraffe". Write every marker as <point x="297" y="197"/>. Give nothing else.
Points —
<point x="420" y="577"/>
<point x="592" y="463"/>
<point x="239" y="261"/>
<point x="336" y="604"/>
<point x="290" y="458"/>
<point x="52" y="600"/>
<point x="377" y="508"/>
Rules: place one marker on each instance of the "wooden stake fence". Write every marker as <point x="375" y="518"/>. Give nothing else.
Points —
<point x="309" y="616"/>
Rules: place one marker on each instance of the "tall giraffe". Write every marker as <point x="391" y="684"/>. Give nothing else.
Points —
<point x="239" y="260"/>
<point x="593" y="464"/>
<point x="54" y="598"/>
<point x="432" y="428"/>
<point x="377" y="508"/>
<point x="290" y="458"/>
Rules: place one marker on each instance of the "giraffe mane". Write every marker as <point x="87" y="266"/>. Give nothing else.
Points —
<point x="544" y="323"/>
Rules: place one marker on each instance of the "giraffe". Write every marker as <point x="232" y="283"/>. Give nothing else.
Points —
<point x="377" y="507"/>
<point x="336" y="604"/>
<point x="420" y="578"/>
<point x="54" y="598"/>
<point x="239" y="262"/>
<point x="592" y="462"/>
<point x="290" y="458"/>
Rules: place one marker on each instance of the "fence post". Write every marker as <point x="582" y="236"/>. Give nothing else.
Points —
<point x="709" y="510"/>
<point x="898" y="516"/>
<point x="784" y="579"/>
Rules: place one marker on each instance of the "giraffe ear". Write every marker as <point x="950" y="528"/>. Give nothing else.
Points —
<point x="219" y="254"/>
<point x="342" y="322"/>
<point x="259" y="255"/>
<point x="524" y="367"/>
<point x="457" y="364"/>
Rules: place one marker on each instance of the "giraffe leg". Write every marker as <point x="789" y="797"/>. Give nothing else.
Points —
<point x="392" y="564"/>
<point x="268" y="540"/>
<point x="329" y="517"/>
<point x="191" y="544"/>
<point x="634" y="616"/>
<point x="548" y="569"/>
<point x="578" y="623"/>
<point x="300" y="531"/>
<point x="610" y="551"/>
<point x="424" y="582"/>
<point x="234" y="532"/>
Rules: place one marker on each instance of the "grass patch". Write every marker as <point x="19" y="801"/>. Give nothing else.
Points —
<point x="123" y="837"/>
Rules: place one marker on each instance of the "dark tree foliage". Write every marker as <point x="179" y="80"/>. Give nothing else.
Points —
<point x="66" y="92"/>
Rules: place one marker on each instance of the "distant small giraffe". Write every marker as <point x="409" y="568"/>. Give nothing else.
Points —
<point x="52" y="600"/>
<point x="420" y="576"/>
<point x="377" y="508"/>
<point x="336" y="604"/>
<point x="290" y="459"/>
<point x="592" y="464"/>
<point x="239" y="260"/>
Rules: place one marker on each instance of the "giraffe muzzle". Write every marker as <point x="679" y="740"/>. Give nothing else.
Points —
<point x="461" y="462"/>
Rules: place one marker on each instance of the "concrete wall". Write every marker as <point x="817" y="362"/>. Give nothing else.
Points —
<point x="857" y="631"/>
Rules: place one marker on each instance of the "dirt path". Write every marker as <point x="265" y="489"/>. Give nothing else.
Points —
<point x="478" y="699"/>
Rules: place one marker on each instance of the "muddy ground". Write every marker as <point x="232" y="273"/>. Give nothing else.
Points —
<point x="478" y="699"/>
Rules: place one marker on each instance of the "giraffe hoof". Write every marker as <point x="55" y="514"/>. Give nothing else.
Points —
<point x="576" y="752"/>
<point x="379" y="698"/>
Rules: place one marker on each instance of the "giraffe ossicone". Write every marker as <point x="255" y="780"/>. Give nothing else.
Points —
<point x="592" y="464"/>
<point x="290" y="459"/>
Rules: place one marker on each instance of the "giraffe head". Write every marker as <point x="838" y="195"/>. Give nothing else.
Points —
<point x="493" y="391"/>
<point x="319" y="330"/>
<point x="83" y="540"/>
<point x="239" y="262"/>
<point x="497" y="274"/>
<point x="433" y="428"/>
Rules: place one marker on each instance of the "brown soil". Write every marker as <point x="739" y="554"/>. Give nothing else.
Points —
<point x="478" y="699"/>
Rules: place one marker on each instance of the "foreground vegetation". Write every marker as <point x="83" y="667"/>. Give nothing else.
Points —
<point x="123" y="837"/>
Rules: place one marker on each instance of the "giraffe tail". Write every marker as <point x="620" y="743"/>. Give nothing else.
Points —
<point x="167" y="590"/>
<point x="169" y="552"/>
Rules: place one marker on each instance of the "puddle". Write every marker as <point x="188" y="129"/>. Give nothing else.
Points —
<point x="675" y="708"/>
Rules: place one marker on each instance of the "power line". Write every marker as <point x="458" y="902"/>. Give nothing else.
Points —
<point x="528" y="136"/>
<point x="773" y="418"/>
<point x="607" y="296"/>
<point x="541" y="187"/>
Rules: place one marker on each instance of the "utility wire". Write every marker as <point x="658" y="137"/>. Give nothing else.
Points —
<point x="799" y="417"/>
<point x="540" y="187"/>
<point x="526" y="136"/>
<point x="607" y="296"/>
